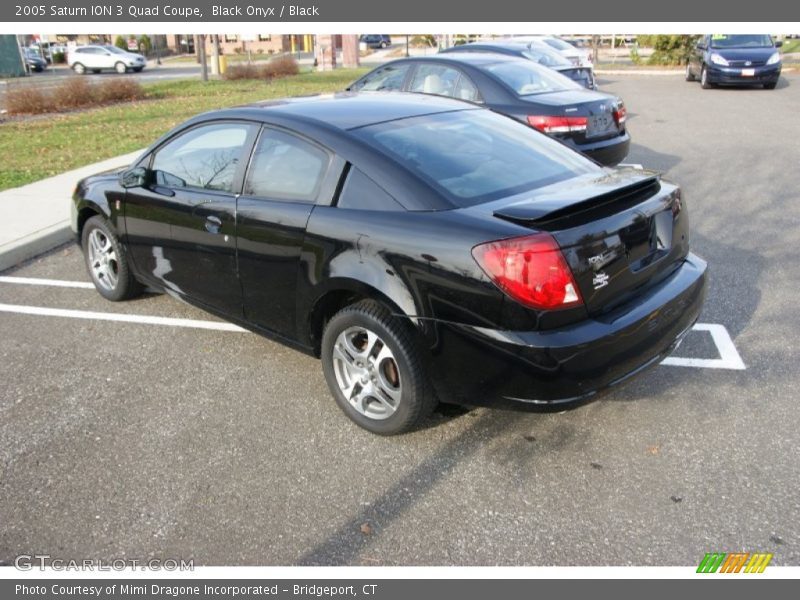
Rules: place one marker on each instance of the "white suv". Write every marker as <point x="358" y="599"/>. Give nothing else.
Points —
<point x="97" y="58"/>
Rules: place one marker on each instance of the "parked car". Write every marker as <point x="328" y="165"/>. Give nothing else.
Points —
<point x="33" y="60"/>
<point x="735" y="59"/>
<point x="589" y="121"/>
<point x="376" y="41"/>
<point x="542" y="55"/>
<point x="580" y="57"/>
<point x="423" y="248"/>
<point x="99" y="58"/>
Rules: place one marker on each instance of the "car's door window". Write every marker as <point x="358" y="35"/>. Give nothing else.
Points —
<point x="443" y="81"/>
<point x="285" y="167"/>
<point x="205" y="157"/>
<point x="388" y="79"/>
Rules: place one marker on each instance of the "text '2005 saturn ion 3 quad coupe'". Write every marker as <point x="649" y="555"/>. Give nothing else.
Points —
<point x="424" y="248"/>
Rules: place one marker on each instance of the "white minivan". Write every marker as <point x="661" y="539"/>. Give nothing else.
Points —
<point x="98" y="58"/>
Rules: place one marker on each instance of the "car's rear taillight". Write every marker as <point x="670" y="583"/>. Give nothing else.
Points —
<point x="620" y="114"/>
<point x="530" y="269"/>
<point x="556" y="124"/>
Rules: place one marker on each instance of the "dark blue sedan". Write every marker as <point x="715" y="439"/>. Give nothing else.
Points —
<point x="591" y="122"/>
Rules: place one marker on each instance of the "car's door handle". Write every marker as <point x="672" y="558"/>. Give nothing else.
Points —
<point x="213" y="224"/>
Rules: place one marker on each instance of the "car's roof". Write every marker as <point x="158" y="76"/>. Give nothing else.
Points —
<point x="349" y="110"/>
<point x="501" y="43"/>
<point x="470" y="58"/>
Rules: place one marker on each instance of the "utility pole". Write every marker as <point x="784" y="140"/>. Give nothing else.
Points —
<point x="215" y="54"/>
<point x="203" y="64"/>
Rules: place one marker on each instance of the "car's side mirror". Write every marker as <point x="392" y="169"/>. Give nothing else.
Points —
<point x="136" y="177"/>
<point x="778" y="43"/>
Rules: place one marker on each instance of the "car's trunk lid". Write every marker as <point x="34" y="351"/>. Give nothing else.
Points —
<point x="597" y="108"/>
<point x="620" y="232"/>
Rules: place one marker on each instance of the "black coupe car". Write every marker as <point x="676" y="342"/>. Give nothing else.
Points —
<point x="538" y="54"/>
<point x="425" y="249"/>
<point x="588" y="121"/>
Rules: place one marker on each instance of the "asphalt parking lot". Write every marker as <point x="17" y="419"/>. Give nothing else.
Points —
<point x="130" y="439"/>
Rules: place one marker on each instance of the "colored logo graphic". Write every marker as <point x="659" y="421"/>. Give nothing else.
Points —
<point x="734" y="562"/>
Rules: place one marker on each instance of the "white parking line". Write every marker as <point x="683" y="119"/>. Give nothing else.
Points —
<point x="729" y="357"/>
<point x="51" y="282"/>
<point x="104" y="316"/>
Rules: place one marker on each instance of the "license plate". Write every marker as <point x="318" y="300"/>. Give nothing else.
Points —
<point x="748" y="72"/>
<point x="600" y="125"/>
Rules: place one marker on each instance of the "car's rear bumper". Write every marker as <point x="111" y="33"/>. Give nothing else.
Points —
<point x="734" y="76"/>
<point x="607" y="152"/>
<point x="477" y="366"/>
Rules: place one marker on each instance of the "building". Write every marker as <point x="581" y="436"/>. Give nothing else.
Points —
<point x="262" y="43"/>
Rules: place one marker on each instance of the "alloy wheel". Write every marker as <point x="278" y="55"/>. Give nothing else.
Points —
<point x="103" y="261"/>
<point x="367" y="373"/>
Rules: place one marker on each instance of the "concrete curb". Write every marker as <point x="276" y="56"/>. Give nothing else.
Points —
<point x="34" y="244"/>
<point x="35" y="218"/>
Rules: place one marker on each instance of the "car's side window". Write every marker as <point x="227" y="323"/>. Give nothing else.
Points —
<point x="285" y="167"/>
<point x="388" y="79"/>
<point x="466" y="90"/>
<point x="204" y="157"/>
<point x="360" y="192"/>
<point x="443" y="81"/>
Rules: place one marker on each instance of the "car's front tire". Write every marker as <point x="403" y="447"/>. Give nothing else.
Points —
<point x="704" y="83"/>
<point x="770" y="86"/>
<point x="120" y="68"/>
<point x="107" y="262"/>
<point x="373" y="367"/>
<point x="79" y="68"/>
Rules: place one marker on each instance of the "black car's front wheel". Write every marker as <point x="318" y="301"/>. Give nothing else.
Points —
<point x="372" y="366"/>
<point x="107" y="262"/>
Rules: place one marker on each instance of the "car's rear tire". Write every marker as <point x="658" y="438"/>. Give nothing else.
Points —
<point x="120" y="68"/>
<point x="373" y="367"/>
<point x="770" y="86"/>
<point x="79" y="68"/>
<point x="384" y="45"/>
<point x="689" y="76"/>
<point x="704" y="83"/>
<point x="107" y="261"/>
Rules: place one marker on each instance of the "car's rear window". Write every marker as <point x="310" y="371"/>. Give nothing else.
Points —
<point x="475" y="156"/>
<point x="527" y="78"/>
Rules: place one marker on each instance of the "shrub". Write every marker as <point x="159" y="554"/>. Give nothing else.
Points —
<point x="423" y="41"/>
<point x="118" y="90"/>
<point x="672" y="49"/>
<point x="26" y="100"/>
<point x="74" y="92"/>
<point x="277" y="67"/>
<point x="121" y="43"/>
<point x="283" y="66"/>
<point x="59" y="58"/>
<point x="145" y="44"/>
<point x="245" y="71"/>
